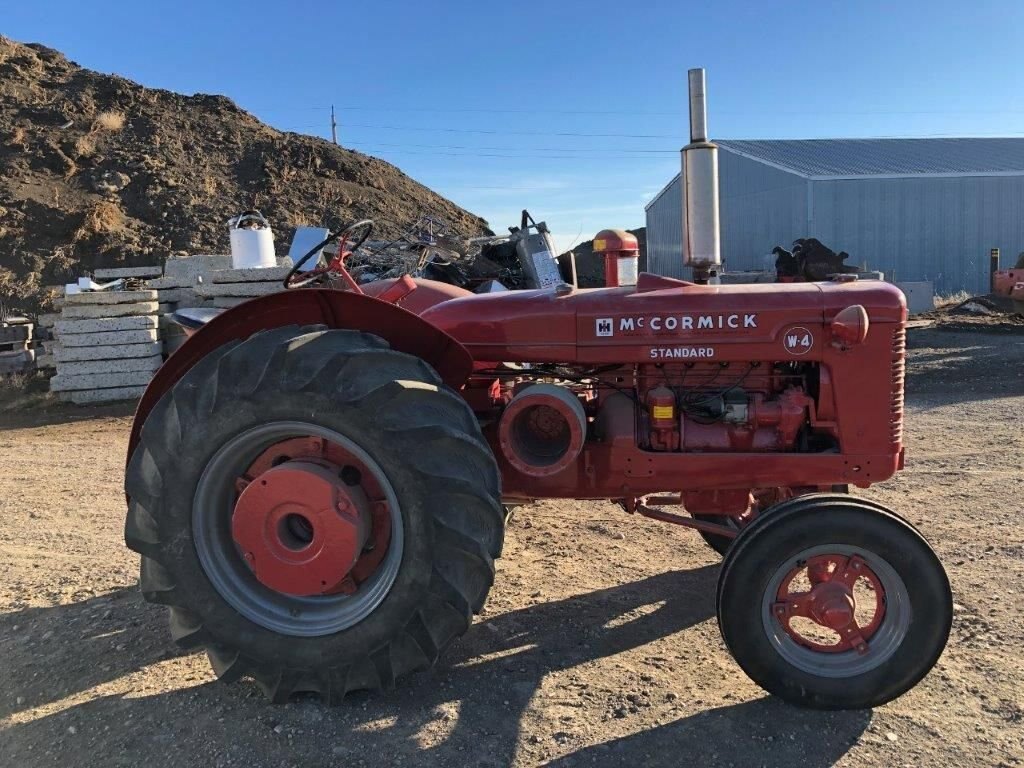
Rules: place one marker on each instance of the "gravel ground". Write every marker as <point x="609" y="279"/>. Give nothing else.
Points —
<point x="598" y="646"/>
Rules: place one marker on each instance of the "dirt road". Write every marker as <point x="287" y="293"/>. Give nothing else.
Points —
<point x="598" y="646"/>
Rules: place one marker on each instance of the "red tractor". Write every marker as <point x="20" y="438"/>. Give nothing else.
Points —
<point x="317" y="479"/>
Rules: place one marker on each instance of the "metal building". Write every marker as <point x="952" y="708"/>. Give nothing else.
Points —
<point x="915" y="209"/>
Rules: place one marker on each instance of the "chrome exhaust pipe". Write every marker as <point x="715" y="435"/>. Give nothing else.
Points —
<point x="699" y="174"/>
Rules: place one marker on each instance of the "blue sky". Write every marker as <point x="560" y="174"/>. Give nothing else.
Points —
<point x="572" y="109"/>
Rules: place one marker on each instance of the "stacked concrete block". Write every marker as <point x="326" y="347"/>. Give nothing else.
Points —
<point x="17" y="349"/>
<point x="183" y="282"/>
<point x="231" y="287"/>
<point x="107" y="345"/>
<point x="189" y="271"/>
<point x="46" y="343"/>
<point x="118" y="273"/>
<point x="177" y="289"/>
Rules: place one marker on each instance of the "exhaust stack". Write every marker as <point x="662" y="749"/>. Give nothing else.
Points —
<point x="699" y="175"/>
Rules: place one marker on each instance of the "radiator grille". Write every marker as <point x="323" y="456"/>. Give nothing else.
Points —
<point x="899" y="372"/>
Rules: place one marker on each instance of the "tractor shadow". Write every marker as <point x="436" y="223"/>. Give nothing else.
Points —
<point x="47" y="654"/>
<point x="467" y="711"/>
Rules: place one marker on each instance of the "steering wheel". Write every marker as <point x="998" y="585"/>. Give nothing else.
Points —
<point x="362" y="228"/>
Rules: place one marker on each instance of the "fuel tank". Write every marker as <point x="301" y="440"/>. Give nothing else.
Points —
<point x="660" y="319"/>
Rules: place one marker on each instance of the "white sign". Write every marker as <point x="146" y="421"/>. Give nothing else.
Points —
<point x="661" y="353"/>
<point x="660" y="323"/>
<point x="798" y="341"/>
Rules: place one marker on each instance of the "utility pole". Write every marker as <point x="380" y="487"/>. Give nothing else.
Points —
<point x="334" y="127"/>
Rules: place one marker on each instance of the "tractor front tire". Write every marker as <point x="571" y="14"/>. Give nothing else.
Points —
<point x="833" y="602"/>
<point x="721" y="544"/>
<point x="411" y="451"/>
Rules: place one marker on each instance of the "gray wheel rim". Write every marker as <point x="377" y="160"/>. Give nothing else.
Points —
<point x="882" y="644"/>
<point x="222" y="562"/>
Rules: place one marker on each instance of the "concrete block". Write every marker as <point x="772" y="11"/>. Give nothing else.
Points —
<point x="103" y="395"/>
<point x="110" y="297"/>
<point x="212" y="290"/>
<point x="115" y="273"/>
<point x="266" y="274"/>
<point x="166" y="307"/>
<point x="47" y="319"/>
<point x="178" y="296"/>
<point x="170" y="295"/>
<point x="920" y="295"/>
<point x="124" y="365"/>
<point x="160" y="283"/>
<point x="139" y="322"/>
<point x="106" y="352"/>
<point x="15" y="362"/>
<point x="99" y="311"/>
<point x="64" y="383"/>
<point x="45" y="361"/>
<point x="226" y="302"/>
<point x="188" y="268"/>
<point x="108" y="338"/>
<point x="10" y="333"/>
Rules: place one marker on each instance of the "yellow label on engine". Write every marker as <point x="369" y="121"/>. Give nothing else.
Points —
<point x="662" y="412"/>
<point x="599" y="245"/>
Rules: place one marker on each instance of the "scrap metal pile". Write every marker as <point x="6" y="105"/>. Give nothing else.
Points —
<point x="810" y="260"/>
<point x="431" y="248"/>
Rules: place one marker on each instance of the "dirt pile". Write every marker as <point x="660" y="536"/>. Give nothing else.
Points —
<point x="979" y="313"/>
<point x="96" y="170"/>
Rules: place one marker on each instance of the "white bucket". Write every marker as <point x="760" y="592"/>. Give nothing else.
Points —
<point x="252" y="241"/>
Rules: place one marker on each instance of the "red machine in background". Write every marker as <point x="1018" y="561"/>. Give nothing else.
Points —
<point x="1009" y="283"/>
<point x="316" y="478"/>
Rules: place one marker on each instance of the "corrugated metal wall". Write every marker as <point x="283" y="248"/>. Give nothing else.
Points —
<point x="938" y="229"/>
<point x="759" y="205"/>
<point x="665" y="231"/>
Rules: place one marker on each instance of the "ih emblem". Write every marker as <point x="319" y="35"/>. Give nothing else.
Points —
<point x="604" y="326"/>
<point x="798" y="341"/>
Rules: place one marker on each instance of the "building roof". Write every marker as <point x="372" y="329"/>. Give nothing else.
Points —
<point x="854" y="158"/>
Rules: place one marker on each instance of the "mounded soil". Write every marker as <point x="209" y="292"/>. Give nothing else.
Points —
<point x="98" y="171"/>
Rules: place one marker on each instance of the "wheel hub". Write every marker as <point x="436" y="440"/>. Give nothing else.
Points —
<point x="831" y="602"/>
<point x="831" y="605"/>
<point x="301" y="528"/>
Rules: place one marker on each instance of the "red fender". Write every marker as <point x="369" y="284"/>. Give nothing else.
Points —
<point x="402" y="329"/>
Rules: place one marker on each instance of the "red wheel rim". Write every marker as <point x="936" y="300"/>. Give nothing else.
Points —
<point x="311" y="518"/>
<point x="830" y="597"/>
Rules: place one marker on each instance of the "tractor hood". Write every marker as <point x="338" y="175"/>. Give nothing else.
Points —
<point x="659" y="318"/>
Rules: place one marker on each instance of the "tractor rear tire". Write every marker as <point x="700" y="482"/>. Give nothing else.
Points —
<point x="898" y="650"/>
<point x="391" y="408"/>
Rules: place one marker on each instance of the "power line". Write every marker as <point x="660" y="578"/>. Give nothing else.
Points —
<point x="680" y="113"/>
<point x="489" y="132"/>
<point x="446" y="153"/>
<point x="569" y="134"/>
<point x="532" y="149"/>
